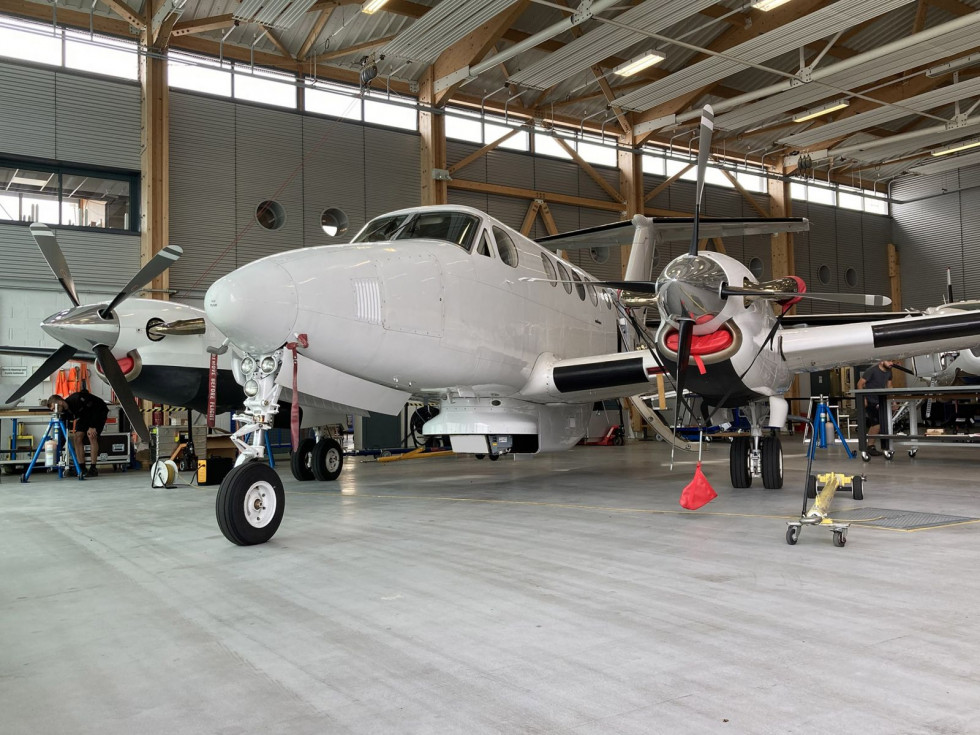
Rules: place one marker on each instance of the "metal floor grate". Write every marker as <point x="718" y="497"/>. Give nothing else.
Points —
<point x="905" y="520"/>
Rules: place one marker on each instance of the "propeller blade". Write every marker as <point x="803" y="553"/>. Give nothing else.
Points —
<point x="861" y="299"/>
<point x="704" y="151"/>
<point x="685" y="334"/>
<point x="48" y="244"/>
<point x="117" y="381"/>
<point x="59" y="358"/>
<point x="181" y="327"/>
<point x="157" y="265"/>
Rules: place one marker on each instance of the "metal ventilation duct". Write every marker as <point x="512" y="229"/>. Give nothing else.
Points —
<point x="448" y="22"/>
<point x="874" y="67"/>
<point x="272" y="13"/>
<point x="652" y="16"/>
<point x="881" y="115"/>
<point x="819" y="24"/>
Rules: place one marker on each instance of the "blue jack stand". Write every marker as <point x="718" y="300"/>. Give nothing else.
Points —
<point x="53" y="426"/>
<point x="820" y="419"/>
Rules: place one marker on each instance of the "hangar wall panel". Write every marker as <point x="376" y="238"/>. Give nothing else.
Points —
<point x="935" y="226"/>
<point x="27" y="114"/>
<point x="202" y="192"/>
<point x="98" y="121"/>
<point x="392" y="166"/>
<point x="333" y="177"/>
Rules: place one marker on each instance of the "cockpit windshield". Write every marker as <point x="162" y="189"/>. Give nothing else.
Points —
<point x="455" y="227"/>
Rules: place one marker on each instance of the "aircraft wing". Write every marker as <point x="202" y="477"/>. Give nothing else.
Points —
<point x="819" y="348"/>
<point x="673" y="229"/>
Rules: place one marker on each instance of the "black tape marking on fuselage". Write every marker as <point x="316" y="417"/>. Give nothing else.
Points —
<point x="592" y="376"/>
<point x="913" y="331"/>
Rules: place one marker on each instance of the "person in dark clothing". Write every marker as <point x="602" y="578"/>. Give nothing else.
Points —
<point x="84" y="415"/>
<point x="876" y="376"/>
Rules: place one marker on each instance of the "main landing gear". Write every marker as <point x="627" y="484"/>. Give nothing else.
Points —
<point x="317" y="459"/>
<point x="753" y="456"/>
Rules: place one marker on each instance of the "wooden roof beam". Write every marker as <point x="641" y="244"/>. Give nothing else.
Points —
<point x="315" y="31"/>
<point x="125" y="12"/>
<point x="203" y="25"/>
<point x="356" y="48"/>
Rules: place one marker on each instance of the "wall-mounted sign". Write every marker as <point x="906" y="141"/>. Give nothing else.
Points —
<point x="13" y="371"/>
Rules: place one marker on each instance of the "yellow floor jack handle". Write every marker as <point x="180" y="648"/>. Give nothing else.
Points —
<point x="821" y="505"/>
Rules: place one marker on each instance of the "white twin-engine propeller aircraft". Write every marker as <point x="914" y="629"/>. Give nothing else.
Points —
<point x="516" y="344"/>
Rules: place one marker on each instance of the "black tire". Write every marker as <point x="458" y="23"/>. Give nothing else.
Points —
<point x="415" y="424"/>
<point x="811" y="486"/>
<point x="865" y="457"/>
<point x="839" y="538"/>
<point x="301" y="461"/>
<point x="250" y="504"/>
<point x="493" y="457"/>
<point x="858" y="483"/>
<point x="792" y="535"/>
<point x="479" y="456"/>
<point x="328" y="460"/>
<point x="738" y="461"/>
<point x="772" y="462"/>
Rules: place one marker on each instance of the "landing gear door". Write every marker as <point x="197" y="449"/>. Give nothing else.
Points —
<point x="414" y="299"/>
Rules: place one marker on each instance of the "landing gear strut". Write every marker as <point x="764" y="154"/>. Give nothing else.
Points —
<point x="756" y="455"/>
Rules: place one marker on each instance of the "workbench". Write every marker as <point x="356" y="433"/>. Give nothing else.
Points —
<point x="913" y="439"/>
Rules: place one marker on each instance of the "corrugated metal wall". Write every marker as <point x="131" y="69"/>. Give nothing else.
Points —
<point x="69" y="117"/>
<point x="226" y="158"/>
<point x="936" y="225"/>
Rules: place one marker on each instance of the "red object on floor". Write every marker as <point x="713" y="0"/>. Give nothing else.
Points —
<point x="698" y="491"/>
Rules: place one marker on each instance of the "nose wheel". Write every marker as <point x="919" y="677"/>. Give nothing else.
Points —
<point x="250" y="504"/>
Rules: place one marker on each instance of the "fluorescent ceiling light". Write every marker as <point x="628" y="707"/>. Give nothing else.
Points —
<point x="823" y="110"/>
<point x="765" y="5"/>
<point x="372" y="6"/>
<point x="955" y="147"/>
<point x="639" y="63"/>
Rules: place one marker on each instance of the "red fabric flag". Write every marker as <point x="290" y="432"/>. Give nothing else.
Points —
<point x="698" y="491"/>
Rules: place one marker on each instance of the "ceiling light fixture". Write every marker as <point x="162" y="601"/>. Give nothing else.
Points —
<point x="372" y="6"/>
<point x="766" y="5"/>
<point x="822" y="110"/>
<point x="955" y="147"/>
<point x="628" y="68"/>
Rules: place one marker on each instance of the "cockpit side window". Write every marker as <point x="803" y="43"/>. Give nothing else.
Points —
<point x="382" y="228"/>
<point x="455" y="227"/>
<point x="506" y="247"/>
<point x="484" y="247"/>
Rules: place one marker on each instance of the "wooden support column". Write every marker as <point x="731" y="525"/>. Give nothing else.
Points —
<point x="155" y="155"/>
<point x="780" y="205"/>
<point x="432" y="128"/>
<point x="895" y="277"/>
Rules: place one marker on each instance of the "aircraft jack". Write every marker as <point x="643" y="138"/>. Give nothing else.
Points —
<point x="55" y="424"/>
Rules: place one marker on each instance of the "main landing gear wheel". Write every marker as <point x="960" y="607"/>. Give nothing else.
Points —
<point x="811" y="486"/>
<point x="301" y="463"/>
<point x="772" y="462"/>
<point x="250" y="504"/>
<point x="738" y="460"/>
<point x="328" y="460"/>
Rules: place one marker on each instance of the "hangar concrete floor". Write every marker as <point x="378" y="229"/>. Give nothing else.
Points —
<point x="563" y="594"/>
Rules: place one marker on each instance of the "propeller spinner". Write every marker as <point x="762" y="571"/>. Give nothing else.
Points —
<point x="91" y="327"/>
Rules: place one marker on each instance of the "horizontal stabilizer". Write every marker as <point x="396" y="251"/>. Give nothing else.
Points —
<point x="673" y="228"/>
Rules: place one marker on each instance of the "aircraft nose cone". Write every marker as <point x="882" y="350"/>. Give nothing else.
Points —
<point x="254" y="306"/>
<point x="83" y="327"/>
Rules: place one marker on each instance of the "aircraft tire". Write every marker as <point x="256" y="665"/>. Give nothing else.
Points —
<point x="772" y="462"/>
<point x="250" y="504"/>
<point x="301" y="462"/>
<point x="328" y="460"/>
<point x="858" y="485"/>
<point x="738" y="461"/>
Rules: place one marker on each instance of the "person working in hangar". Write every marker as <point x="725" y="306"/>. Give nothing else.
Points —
<point x="84" y="415"/>
<point x="876" y="376"/>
